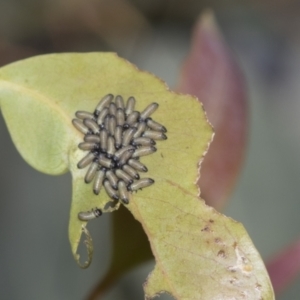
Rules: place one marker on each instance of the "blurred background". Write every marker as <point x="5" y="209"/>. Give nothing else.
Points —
<point x="35" y="256"/>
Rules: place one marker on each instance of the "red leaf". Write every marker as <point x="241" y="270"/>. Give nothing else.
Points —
<point x="211" y="74"/>
<point x="284" y="267"/>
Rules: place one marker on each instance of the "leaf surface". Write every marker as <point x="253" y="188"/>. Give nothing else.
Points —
<point x="199" y="253"/>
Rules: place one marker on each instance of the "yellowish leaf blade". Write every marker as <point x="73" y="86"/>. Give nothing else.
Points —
<point x="37" y="126"/>
<point x="39" y="97"/>
<point x="199" y="253"/>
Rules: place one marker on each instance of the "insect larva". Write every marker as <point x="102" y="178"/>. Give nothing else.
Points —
<point x="123" y="192"/>
<point x="112" y="109"/>
<point x="120" y="116"/>
<point x="103" y="113"/>
<point x="104" y="102"/>
<point x="142" y="141"/>
<point x="112" y="193"/>
<point x="154" y="135"/>
<point x="119" y="102"/>
<point x="139" y="184"/>
<point x="105" y="162"/>
<point x="143" y="151"/>
<point x="131" y="171"/>
<point x="86" y="160"/>
<point x="91" y="138"/>
<point x="130" y="106"/>
<point x="98" y="181"/>
<point x="88" y="146"/>
<point x="121" y="151"/>
<point x="127" y="136"/>
<point x="90" y="174"/>
<point x="148" y="111"/>
<point x="140" y="130"/>
<point x="124" y="176"/>
<point x="84" y="115"/>
<point x="132" y="118"/>
<point x="118" y="137"/>
<point x="103" y="139"/>
<point x="134" y="163"/>
<point x="112" y="124"/>
<point x="135" y="125"/>
<point x="106" y="121"/>
<point x="89" y="215"/>
<point x="78" y="124"/>
<point x="125" y="156"/>
<point x="155" y="125"/>
<point x="112" y="178"/>
<point x="92" y="125"/>
<point x="110" y="146"/>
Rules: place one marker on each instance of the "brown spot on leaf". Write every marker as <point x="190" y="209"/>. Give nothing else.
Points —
<point x="242" y="294"/>
<point x="231" y="269"/>
<point x="222" y="254"/>
<point x="206" y="228"/>
<point x="218" y="240"/>
<point x="233" y="280"/>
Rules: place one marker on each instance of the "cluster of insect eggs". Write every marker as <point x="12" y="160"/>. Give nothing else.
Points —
<point x="116" y="136"/>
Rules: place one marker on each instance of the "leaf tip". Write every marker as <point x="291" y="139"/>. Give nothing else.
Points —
<point x="88" y="242"/>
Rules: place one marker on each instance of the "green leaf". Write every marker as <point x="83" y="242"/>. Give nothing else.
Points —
<point x="199" y="253"/>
